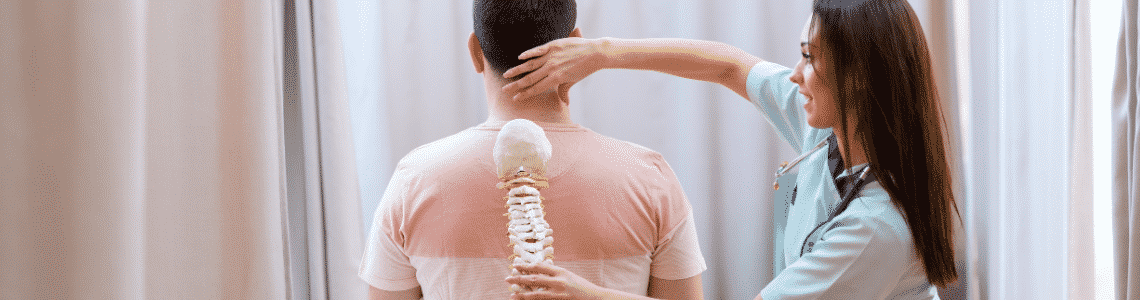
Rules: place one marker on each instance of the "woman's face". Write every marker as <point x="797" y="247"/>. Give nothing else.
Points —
<point x="820" y="106"/>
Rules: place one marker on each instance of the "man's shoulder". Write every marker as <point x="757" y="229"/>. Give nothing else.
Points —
<point x="626" y="153"/>
<point x="455" y="148"/>
<point x="627" y="148"/>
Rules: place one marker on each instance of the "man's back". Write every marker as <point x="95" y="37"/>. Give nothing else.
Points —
<point x="618" y="213"/>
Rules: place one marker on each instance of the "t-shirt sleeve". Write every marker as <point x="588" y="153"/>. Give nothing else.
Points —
<point x="677" y="254"/>
<point x="857" y="258"/>
<point x="385" y="265"/>
<point x="778" y="98"/>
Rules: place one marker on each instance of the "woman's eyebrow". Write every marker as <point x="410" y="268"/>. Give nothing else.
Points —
<point x="803" y="44"/>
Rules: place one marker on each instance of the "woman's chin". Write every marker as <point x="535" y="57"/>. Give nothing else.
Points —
<point x="816" y="125"/>
<point x="811" y="120"/>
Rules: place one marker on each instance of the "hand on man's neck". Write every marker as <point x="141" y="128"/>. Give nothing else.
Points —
<point x="547" y="107"/>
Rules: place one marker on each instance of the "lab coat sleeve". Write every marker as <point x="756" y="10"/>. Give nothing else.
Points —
<point x="858" y="258"/>
<point x="778" y="98"/>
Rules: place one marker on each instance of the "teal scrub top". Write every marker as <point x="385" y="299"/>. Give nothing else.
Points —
<point x="866" y="252"/>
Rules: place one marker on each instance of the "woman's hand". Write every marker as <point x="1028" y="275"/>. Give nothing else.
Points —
<point x="560" y="63"/>
<point x="558" y="283"/>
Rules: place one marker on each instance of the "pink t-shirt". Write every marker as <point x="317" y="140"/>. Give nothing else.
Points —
<point x="618" y="213"/>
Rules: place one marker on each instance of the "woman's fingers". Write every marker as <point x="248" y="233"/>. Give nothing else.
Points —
<point x="547" y="83"/>
<point x="521" y="86"/>
<point x="539" y="295"/>
<point x="559" y="62"/>
<point x="540" y="268"/>
<point x="536" y="51"/>
<point x="541" y="281"/>
<point x="534" y="83"/>
<point x="527" y="66"/>
<point x="526" y="83"/>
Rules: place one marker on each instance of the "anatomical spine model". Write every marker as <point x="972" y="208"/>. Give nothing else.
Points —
<point x="521" y="152"/>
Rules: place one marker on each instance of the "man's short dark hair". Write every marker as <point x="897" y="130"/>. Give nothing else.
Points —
<point x="507" y="28"/>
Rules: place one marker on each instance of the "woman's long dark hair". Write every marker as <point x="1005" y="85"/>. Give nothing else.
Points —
<point x="878" y="67"/>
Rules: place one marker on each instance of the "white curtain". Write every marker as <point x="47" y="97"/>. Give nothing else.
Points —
<point x="1126" y="157"/>
<point x="344" y="238"/>
<point x="325" y="236"/>
<point x="142" y="151"/>
<point x="1024" y="114"/>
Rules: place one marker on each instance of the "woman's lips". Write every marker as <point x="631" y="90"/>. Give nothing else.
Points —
<point x="806" y="102"/>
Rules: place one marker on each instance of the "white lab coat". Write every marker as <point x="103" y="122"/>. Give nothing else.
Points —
<point x="866" y="252"/>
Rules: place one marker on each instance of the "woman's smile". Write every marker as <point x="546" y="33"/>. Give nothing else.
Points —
<point x="807" y="104"/>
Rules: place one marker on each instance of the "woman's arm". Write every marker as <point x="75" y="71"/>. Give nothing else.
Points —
<point x="569" y="60"/>
<point x="562" y="63"/>
<point x="558" y="283"/>
<point x="410" y="294"/>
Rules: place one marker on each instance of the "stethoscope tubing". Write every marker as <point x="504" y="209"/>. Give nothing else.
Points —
<point x="786" y="166"/>
<point x="859" y="183"/>
<point x="850" y="196"/>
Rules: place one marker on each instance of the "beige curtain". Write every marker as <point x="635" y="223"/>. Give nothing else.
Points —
<point x="141" y="153"/>
<point x="343" y="235"/>
<point x="1082" y="257"/>
<point x="1024" y="117"/>
<point x="1126" y="157"/>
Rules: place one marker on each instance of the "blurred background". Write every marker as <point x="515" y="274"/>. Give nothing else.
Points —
<point x="218" y="149"/>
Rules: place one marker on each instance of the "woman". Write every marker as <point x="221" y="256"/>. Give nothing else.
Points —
<point x="872" y="216"/>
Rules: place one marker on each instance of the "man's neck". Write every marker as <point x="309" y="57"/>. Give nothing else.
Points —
<point x="546" y="107"/>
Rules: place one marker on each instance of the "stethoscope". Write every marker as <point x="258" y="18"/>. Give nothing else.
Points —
<point x="785" y="167"/>
<point x="835" y="162"/>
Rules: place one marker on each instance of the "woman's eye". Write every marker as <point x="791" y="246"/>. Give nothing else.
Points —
<point x="805" y="55"/>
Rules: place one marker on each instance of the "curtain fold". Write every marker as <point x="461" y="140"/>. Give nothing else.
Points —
<point x="1023" y="127"/>
<point x="325" y="236"/>
<point x="1079" y="232"/>
<point x="1126" y="157"/>
<point x="343" y="235"/>
<point x="141" y="154"/>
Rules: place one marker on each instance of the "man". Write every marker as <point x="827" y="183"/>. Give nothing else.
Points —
<point x="619" y="216"/>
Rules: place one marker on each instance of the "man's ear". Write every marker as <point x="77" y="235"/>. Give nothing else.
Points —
<point x="476" y="52"/>
<point x="576" y="33"/>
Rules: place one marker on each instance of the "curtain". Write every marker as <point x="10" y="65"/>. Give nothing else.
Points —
<point x="1126" y="157"/>
<point x="142" y="152"/>
<point x="1024" y="119"/>
<point x="344" y="238"/>
<point x="325" y="237"/>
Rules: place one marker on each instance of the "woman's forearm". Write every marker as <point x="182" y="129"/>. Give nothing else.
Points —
<point x="619" y="295"/>
<point x="694" y="59"/>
